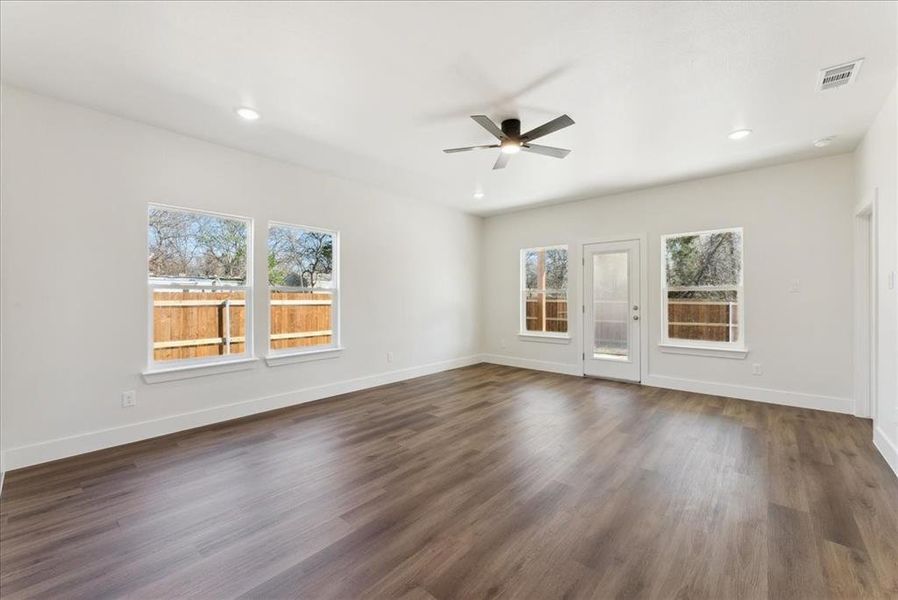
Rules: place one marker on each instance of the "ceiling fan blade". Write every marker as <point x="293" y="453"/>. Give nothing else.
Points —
<point x="487" y="124"/>
<point x="465" y="149"/>
<point x="501" y="161"/>
<point x="547" y="128"/>
<point x="546" y="150"/>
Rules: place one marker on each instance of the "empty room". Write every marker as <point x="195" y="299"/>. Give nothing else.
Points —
<point x="448" y="300"/>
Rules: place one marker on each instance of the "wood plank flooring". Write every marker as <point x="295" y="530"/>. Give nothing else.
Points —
<point x="482" y="482"/>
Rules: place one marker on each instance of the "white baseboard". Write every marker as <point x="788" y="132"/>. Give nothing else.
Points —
<point x="757" y="394"/>
<point x="770" y="396"/>
<point x="528" y="363"/>
<point x="886" y="447"/>
<point x="25" y="456"/>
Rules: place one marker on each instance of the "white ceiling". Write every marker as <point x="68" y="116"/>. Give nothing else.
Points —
<point x="373" y="91"/>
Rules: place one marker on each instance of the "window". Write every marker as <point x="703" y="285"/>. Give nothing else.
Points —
<point x="544" y="291"/>
<point x="303" y="288"/>
<point x="703" y="294"/>
<point x="199" y="277"/>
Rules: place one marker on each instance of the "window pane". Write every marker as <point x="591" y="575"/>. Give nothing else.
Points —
<point x="534" y="303"/>
<point x="531" y="276"/>
<point x="195" y="246"/>
<point x="556" y="269"/>
<point x="703" y="315"/>
<point x="611" y="294"/>
<point x="301" y="319"/>
<point x="705" y="259"/>
<point x="545" y="295"/>
<point x="556" y="312"/>
<point x="300" y="257"/>
<point x="198" y="323"/>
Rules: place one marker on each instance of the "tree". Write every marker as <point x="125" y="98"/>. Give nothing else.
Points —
<point x="183" y="244"/>
<point x="299" y="258"/>
<point x="712" y="259"/>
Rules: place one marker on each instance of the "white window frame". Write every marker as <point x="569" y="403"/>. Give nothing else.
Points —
<point x="666" y="340"/>
<point x="523" y="289"/>
<point x="163" y="366"/>
<point x="274" y="357"/>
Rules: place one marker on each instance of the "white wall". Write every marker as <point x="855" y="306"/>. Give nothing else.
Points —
<point x="798" y="225"/>
<point x="75" y="186"/>
<point x="876" y="163"/>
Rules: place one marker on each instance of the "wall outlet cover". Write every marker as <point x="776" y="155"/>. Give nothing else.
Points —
<point x="129" y="399"/>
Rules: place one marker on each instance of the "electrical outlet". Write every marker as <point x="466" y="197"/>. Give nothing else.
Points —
<point x="795" y="286"/>
<point x="389" y="357"/>
<point x="502" y="344"/>
<point x="129" y="399"/>
<point x="756" y="369"/>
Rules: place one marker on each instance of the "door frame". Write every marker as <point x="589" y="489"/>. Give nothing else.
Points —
<point x="644" y="309"/>
<point x="865" y="308"/>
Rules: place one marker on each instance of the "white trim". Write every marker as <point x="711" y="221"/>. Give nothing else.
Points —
<point x="888" y="449"/>
<point x="548" y="338"/>
<point x="744" y="392"/>
<point x="712" y="351"/>
<point x="865" y="286"/>
<point x="276" y="360"/>
<point x="529" y="363"/>
<point x="32" y="454"/>
<point x="181" y="371"/>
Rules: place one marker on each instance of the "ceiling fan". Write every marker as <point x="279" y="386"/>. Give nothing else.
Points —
<point x="511" y="141"/>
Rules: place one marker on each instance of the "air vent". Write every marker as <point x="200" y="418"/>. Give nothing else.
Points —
<point x="839" y="75"/>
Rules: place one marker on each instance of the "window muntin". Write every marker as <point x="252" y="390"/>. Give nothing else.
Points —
<point x="303" y="288"/>
<point x="702" y="288"/>
<point x="198" y="277"/>
<point x="544" y="302"/>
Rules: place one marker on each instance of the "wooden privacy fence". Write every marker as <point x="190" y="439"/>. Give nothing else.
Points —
<point x="711" y="321"/>
<point x="196" y="324"/>
<point x="687" y="319"/>
<point x="546" y="314"/>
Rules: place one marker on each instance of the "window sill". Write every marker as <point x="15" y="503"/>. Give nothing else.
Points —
<point x="735" y="353"/>
<point x="276" y="360"/>
<point x="548" y="338"/>
<point x="161" y="375"/>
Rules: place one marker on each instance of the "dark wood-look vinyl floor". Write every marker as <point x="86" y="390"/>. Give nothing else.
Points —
<point x="481" y="482"/>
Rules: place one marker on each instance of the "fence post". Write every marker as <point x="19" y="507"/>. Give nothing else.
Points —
<point x="226" y="319"/>
<point x="730" y="322"/>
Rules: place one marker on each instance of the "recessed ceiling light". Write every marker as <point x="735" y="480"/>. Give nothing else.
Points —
<point x="247" y="113"/>
<point x="823" y="142"/>
<point x="478" y="195"/>
<point x="739" y="134"/>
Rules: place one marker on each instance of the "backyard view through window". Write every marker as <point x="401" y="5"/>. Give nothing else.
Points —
<point x="703" y="293"/>
<point x="302" y="284"/>
<point x="544" y="294"/>
<point x="197" y="276"/>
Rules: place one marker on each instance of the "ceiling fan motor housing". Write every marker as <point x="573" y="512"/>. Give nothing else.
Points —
<point x="511" y="128"/>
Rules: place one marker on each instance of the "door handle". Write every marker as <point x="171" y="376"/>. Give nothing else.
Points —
<point x="635" y="317"/>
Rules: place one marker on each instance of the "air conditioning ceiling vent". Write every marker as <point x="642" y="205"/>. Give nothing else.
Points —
<point x="838" y="76"/>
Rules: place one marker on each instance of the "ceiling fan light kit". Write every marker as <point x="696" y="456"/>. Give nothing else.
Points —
<point x="511" y="141"/>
